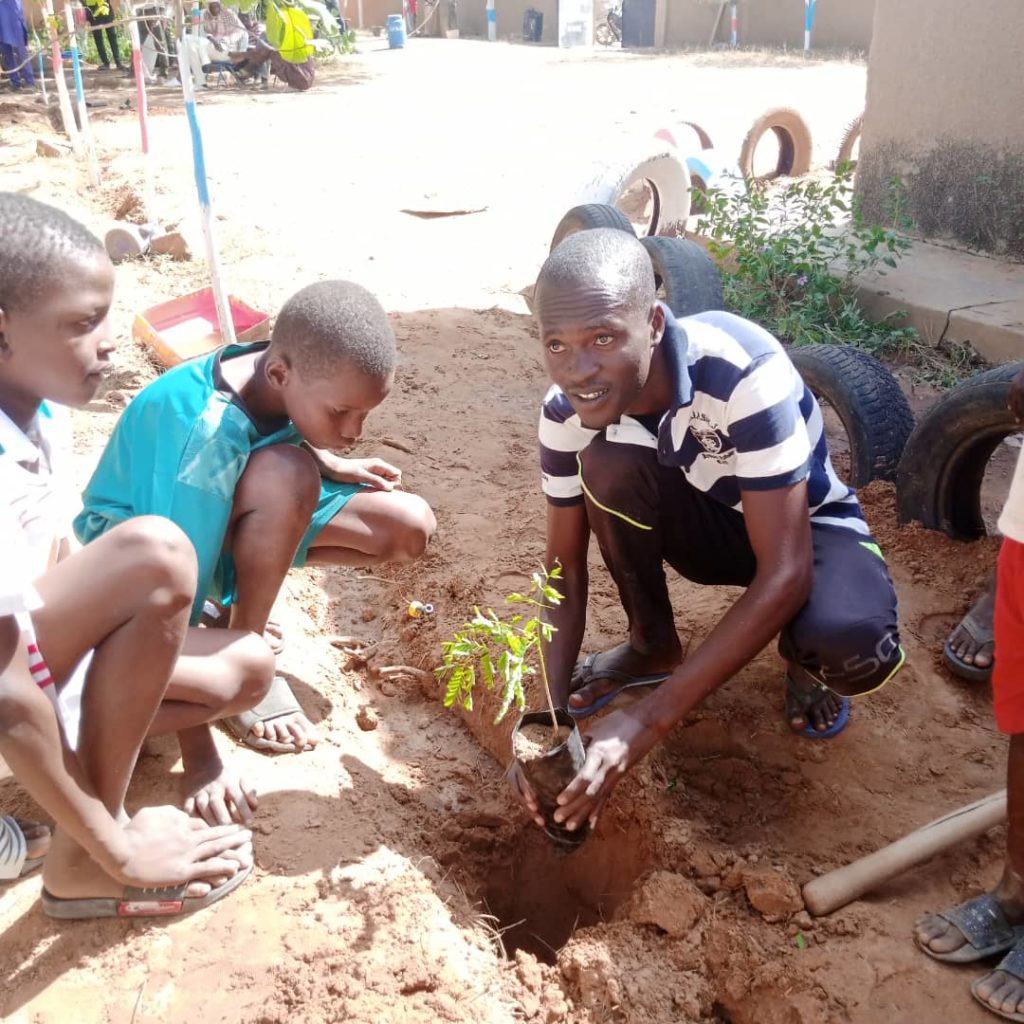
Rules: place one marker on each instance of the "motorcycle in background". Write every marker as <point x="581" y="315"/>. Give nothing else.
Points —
<point x="609" y="31"/>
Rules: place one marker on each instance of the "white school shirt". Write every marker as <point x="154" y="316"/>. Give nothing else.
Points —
<point x="1011" y="522"/>
<point x="36" y="509"/>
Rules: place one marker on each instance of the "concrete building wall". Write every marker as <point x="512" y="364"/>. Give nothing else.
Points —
<point x="838" y="24"/>
<point x="943" y="113"/>
<point x="510" y="13"/>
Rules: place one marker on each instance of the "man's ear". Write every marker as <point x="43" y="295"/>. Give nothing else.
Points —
<point x="657" y="320"/>
<point x="5" y="349"/>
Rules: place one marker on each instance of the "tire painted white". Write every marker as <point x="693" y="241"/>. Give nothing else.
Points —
<point x="655" y="162"/>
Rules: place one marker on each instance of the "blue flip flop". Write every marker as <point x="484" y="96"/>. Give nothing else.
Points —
<point x="805" y="700"/>
<point x="624" y="679"/>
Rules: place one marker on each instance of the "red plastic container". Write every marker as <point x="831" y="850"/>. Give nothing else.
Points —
<point x="188" y="326"/>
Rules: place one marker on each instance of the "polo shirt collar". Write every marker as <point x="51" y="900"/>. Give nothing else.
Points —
<point x="676" y="347"/>
<point x="15" y="443"/>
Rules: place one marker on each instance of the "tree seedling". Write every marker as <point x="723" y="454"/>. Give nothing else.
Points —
<point x="505" y="654"/>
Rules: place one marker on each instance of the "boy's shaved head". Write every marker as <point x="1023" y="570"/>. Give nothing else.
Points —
<point x="37" y="242"/>
<point x="334" y="323"/>
<point x="602" y="259"/>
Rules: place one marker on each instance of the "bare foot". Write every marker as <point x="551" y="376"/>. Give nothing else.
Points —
<point x="623" y="658"/>
<point x="216" y="792"/>
<point x="964" y="645"/>
<point x="295" y="728"/>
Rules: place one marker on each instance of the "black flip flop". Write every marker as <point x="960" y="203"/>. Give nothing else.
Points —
<point x="980" y="634"/>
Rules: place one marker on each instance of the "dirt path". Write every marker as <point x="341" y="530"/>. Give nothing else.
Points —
<point x="390" y="860"/>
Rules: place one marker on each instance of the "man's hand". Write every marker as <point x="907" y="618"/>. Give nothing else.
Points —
<point x="374" y="473"/>
<point x="614" y="745"/>
<point x="164" y="846"/>
<point x="1016" y="399"/>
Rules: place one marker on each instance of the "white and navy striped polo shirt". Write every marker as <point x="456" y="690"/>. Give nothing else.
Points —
<point x="741" y="419"/>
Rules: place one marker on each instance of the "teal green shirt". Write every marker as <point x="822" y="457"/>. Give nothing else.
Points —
<point x="178" y="451"/>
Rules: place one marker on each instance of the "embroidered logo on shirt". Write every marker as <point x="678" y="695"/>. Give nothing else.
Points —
<point x="710" y="438"/>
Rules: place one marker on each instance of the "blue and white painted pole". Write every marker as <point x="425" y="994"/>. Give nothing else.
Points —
<point x="42" y="69"/>
<point x="809" y="6"/>
<point x="492" y="21"/>
<point x="83" y="110"/>
<point x="220" y="298"/>
<point x="733" y="26"/>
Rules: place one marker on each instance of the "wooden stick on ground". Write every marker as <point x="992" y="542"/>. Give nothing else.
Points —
<point x="837" y="888"/>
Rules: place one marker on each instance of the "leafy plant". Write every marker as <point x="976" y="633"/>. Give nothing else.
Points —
<point x="503" y="653"/>
<point x="789" y="258"/>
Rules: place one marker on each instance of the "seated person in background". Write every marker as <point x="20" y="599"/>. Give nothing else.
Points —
<point x="233" y="448"/>
<point x="224" y="30"/>
<point x="224" y="40"/>
<point x="103" y="627"/>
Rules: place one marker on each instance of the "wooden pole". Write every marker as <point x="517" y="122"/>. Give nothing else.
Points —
<point x="67" y="115"/>
<point x="83" y="110"/>
<point x="830" y="892"/>
<point x="718" y="21"/>
<point x="141" y="102"/>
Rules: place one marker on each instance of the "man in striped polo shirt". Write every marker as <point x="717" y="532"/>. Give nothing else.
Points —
<point x="692" y="442"/>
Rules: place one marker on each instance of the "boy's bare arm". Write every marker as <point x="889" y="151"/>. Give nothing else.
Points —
<point x="159" y="846"/>
<point x="374" y="473"/>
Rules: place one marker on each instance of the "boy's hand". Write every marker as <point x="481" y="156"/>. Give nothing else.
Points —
<point x="164" y="846"/>
<point x="374" y="473"/>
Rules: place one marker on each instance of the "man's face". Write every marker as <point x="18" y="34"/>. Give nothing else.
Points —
<point x="60" y="347"/>
<point x="329" y="411"/>
<point x="214" y="7"/>
<point x="596" y="348"/>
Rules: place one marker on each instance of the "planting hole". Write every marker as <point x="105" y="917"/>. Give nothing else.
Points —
<point x="539" y="897"/>
<point x="641" y="204"/>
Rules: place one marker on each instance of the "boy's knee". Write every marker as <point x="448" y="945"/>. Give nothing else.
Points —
<point x="282" y="473"/>
<point x="161" y="557"/>
<point x="413" y="527"/>
<point x="254" y="665"/>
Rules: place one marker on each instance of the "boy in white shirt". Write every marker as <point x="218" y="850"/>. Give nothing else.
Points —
<point x="115" y="615"/>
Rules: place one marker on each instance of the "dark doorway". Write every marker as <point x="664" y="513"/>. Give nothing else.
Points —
<point x="638" y="22"/>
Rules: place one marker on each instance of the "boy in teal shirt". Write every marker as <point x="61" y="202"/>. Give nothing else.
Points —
<point x="234" y="448"/>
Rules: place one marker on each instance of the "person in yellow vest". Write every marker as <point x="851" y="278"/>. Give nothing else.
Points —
<point x="101" y="19"/>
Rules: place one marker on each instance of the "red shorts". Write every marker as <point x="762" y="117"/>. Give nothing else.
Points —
<point x="1008" y="671"/>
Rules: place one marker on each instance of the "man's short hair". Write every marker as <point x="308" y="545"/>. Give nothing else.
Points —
<point x="37" y="241"/>
<point x="602" y="256"/>
<point x="331" y="323"/>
